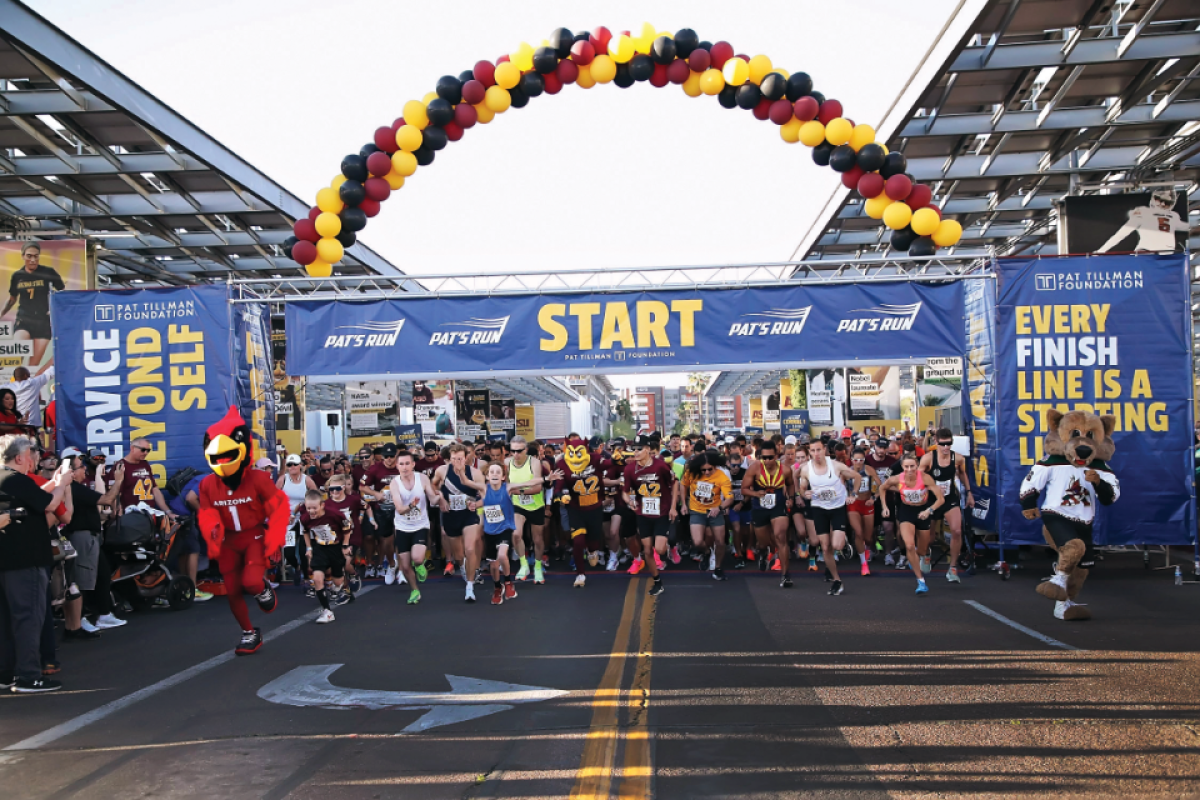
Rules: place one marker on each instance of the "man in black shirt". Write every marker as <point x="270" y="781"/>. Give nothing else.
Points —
<point x="31" y="287"/>
<point x="25" y="555"/>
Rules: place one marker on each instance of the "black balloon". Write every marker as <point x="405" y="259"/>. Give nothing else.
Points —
<point x="843" y="158"/>
<point x="434" y="138"/>
<point x="663" y="50"/>
<point x="287" y="245"/>
<point x="518" y="97"/>
<point x="686" y="41"/>
<point x="903" y="239"/>
<point x="922" y="247"/>
<point x="423" y="155"/>
<point x="821" y="154"/>
<point x="532" y="84"/>
<point x="449" y="88"/>
<point x="893" y="164"/>
<point x="561" y="40"/>
<point x="774" y="86"/>
<point x="623" y="79"/>
<point x="820" y="98"/>
<point x="799" y="84"/>
<point x="870" y="157"/>
<point x="748" y="95"/>
<point x="355" y="168"/>
<point x="727" y="97"/>
<point x="353" y="219"/>
<point x="352" y="192"/>
<point x="641" y="67"/>
<point x="583" y="36"/>
<point x="699" y="46"/>
<point x="439" y="112"/>
<point x="368" y="149"/>
<point x="347" y="238"/>
<point x="466" y="75"/>
<point x="545" y="60"/>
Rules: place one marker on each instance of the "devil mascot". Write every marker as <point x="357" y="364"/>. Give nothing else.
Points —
<point x="581" y="490"/>
<point x="243" y="519"/>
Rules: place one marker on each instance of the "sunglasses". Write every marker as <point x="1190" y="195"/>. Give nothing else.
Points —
<point x="518" y="450"/>
<point x="766" y="458"/>
<point x="139" y="447"/>
<point x="945" y="444"/>
<point x="333" y="489"/>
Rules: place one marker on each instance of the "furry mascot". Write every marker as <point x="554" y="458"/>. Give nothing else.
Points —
<point x="581" y="490"/>
<point x="1064" y="488"/>
<point x="243" y="519"/>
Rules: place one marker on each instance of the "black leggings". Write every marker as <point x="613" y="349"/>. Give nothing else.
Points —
<point x="99" y="600"/>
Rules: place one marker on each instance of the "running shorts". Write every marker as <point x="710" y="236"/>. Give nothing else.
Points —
<point x="1063" y="530"/>
<point x="650" y="527"/>
<point x="701" y="518"/>
<point x="910" y="514"/>
<point x="455" y="522"/>
<point x="862" y="507"/>
<point x="407" y="540"/>
<point x="328" y="558"/>
<point x="743" y="516"/>
<point x="762" y="516"/>
<point x="385" y="523"/>
<point x="536" y="516"/>
<point x="952" y="501"/>
<point x="492" y="543"/>
<point x="828" y="520"/>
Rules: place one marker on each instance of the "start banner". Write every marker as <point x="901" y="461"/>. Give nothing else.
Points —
<point x="780" y="326"/>
<point x="1110" y="335"/>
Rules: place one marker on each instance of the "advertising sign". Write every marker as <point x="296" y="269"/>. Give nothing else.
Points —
<point x="372" y="407"/>
<point x="26" y="331"/>
<point x="433" y="407"/>
<point x="794" y="423"/>
<point x="945" y="371"/>
<point x="756" y="412"/>
<point x="864" y="394"/>
<point x="473" y="406"/>
<point x="979" y="390"/>
<point x="409" y="436"/>
<point x="524" y="414"/>
<point x="1123" y="223"/>
<point x="503" y="417"/>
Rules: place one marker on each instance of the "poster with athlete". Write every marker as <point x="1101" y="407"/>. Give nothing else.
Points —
<point x="433" y="407"/>
<point x="32" y="271"/>
<point x="473" y="407"/>
<point x="1124" y="223"/>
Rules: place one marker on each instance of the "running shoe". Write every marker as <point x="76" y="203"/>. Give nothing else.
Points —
<point x="593" y="557"/>
<point x="80" y="634"/>
<point x="310" y="592"/>
<point x="785" y="582"/>
<point x="251" y="641"/>
<point x="952" y="576"/>
<point x="571" y="564"/>
<point x="110" y="621"/>
<point x="370" y="572"/>
<point x="803" y="551"/>
<point x="637" y="566"/>
<point x="925" y="567"/>
<point x="325" y="616"/>
<point x="470" y="595"/>
<point x="656" y="587"/>
<point x="719" y="575"/>
<point x="267" y="601"/>
<point x="750" y="554"/>
<point x="422" y="572"/>
<point x="538" y="576"/>
<point x="355" y="583"/>
<point x="344" y="597"/>
<point x="414" y="597"/>
<point x="847" y="552"/>
<point x="35" y="686"/>
<point x="658" y="562"/>
<point x="389" y="575"/>
<point x="400" y="579"/>
<point x="675" y="558"/>
<point x="479" y="576"/>
<point x="498" y="596"/>
<point x="580" y="581"/>
<point x="902" y="562"/>
<point x="611" y="566"/>
<point x="448" y="571"/>
<point x="866" y="570"/>
<point x="821" y="556"/>
<point x="889" y="560"/>
<point x="712" y="560"/>
<point x="775" y="566"/>
<point x="201" y="597"/>
<point x="812" y="564"/>
<point x="922" y="588"/>
<point x="523" y="572"/>
<point x="740" y="564"/>
<point x="835" y="588"/>
<point x="762" y="560"/>
<point x="702" y="563"/>
<point x="510" y="591"/>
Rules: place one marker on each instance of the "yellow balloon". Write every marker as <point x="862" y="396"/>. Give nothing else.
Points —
<point x="861" y="136"/>
<point x="484" y="114"/>
<point x="925" y="221"/>
<point x="712" y="81"/>
<point x="497" y="99"/>
<point x="648" y="32"/>
<point x="812" y="133"/>
<point x="691" y="87"/>
<point x="604" y="69"/>
<point x="759" y="67"/>
<point x="522" y="58"/>
<point x="585" y="79"/>
<point x="394" y="179"/>
<point x="884" y="146"/>
<point x="319" y="269"/>
<point x="414" y="114"/>
<point x="875" y="206"/>
<point x="409" y="138"/>
<point x="621" y="48"/>
<point x="838" y="131"/>
<point x="337" y="181"/>
<point x="897" y="215"/>
<point x="328" y="200"/>
<point x="429" y="97"/>
<point x="404" y="164"/>
<point x="328" y="224"/>
<point x="330" y="250"/>
<point x="508" y="75"/>
<point x="948" y="233"/>
<point x="783" y="72"/>
<point x="736" y="72"/>
<point x="790" y="130"/>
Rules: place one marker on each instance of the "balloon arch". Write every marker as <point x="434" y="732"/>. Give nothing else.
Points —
<point x="477" y="95"/>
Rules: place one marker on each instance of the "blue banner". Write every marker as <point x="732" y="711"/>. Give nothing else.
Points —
<point x="158" y="363"/>
<point x="409" y="435"/>
<point x="754" y="430"/>
<point x="254" y="383"/>
<point x="793" y="422"/>
<point x="1112" y="335"/>
<point x="722" y="328"/>
<point x="979" y="398"/>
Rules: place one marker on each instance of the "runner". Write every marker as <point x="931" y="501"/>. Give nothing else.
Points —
<point x="620" y="521"/>
<point x="914" y="511"/>
<point x="374" y="487"/>
<point x="648" y="482"/>
<point x="861" y="509"/>
<point x="428" y="467"/>
<point x="679" y="521"/>
<point x="322" y="532"/>
<point x="412" y="494"/>
<point x="946" y="467"/>
<point x="740" y="516"/>
<point x="344" y="500"/>
<point x="525" y="476"/>
<point x="708" y="493"/>
<point x="883" y="458"/>
<point x="295" y="484"/>
<point x="823" y="483"/>
<point x="460" y="486"/>
<point x="804" y="526"/>
<point x="498" y="526"/>
<point x="579" y="491"/>
<point x="769" y="485"/>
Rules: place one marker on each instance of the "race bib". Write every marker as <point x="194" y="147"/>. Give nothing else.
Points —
<point x="768" y="500"/>
<point x="413" y="514"/>
<point x="825" y="495"/>
<point x="945" y="487"/>
<point x="704" y="491"/>
<point x="323" y="534"/>
<point x="290" y="539"/>
<point x="524" y="499"/>
<point x="864" y="485"/>
<point x="493" y="514"/>
<point x="458" y="502"/>
<point x="914" y="497"/>
<point x="737" y="491"/>
<point x="609" y="506"/>
<point x="651" y="506"/>
<point x="385" y="502"/>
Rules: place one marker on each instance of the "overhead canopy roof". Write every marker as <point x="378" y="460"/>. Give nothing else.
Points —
<point x="84" y="151"/>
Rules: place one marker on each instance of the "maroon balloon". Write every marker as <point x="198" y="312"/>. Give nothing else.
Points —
<point x="453" y="130"/>
<point x="567" y="70"/>
<point x="806" y="109"/>
<point x="398" y="124"/>
<point x="720" y="53"/>
<point x="369" y="207"/>
<point x="781" y="111"/>
<point x="377" y="189"/>
<point x="473" y="92"/>
<point x="504" y="59"/>
<point x="552" y="83"/>
<point x="485" y="73"/>
<point x="851" y="177"/>
<point x="313" y="213"/>
<point x="762" y="111"/>
<point x="898" y="187"/>
<point x="465" y="115"/>
<point x="919" y="197"/>
<point x="600" y="38"/>
<point x="743" y="57"/>
<point x="659" y="78"/>
<point x="306" y="230"/>
<point x="870" y="184"/>
<point x="304" y="252"/>
<point x="699" y="60"/>
<point x="385" y="139"/>
<point x="379" y="163"/>
<point x="678" y="72"/>
<point x="830" y="110"/>
<point x="582" y="53"/>
<point x="936" y="208"/>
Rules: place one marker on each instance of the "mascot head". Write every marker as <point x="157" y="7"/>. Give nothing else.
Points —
<point x="1080" y="437"/>
<point x="229" y="448"/>
<point x="575" y="453"/>
<point x="619" y="453"/>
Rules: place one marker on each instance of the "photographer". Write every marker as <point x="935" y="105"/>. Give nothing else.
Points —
<point x="25" y="558"/>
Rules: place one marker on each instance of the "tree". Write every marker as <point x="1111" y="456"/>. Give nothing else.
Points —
<point x="624" y="410"/>
<point x="799" y="388"/>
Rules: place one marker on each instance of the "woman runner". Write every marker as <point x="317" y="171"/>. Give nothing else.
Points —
<point x="862" y="507"/>
<point x="913" y="512"/>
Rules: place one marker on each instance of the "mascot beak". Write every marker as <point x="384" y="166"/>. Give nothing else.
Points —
<point x="225" y="455"/>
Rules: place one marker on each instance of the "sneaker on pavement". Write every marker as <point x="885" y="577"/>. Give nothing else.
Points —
<point x="250" y="643"/>
<point x="79" y="635"/>
<point x="325" y="616"/>
<point x="674" y="555"/>
<point x="449" y="570"/>
<point x="400" y="579"/>
<point x="414" y="597"/>
<point x="889" y="561"/>
<point x="86" y="625"/>
<point x="523" y="572"/>
<point x="712" y="560"/>
<point x="389" y="575"/>
<point x="922" y="588"/>
<point x="470" y="595"/>
<point x="785" y="582"/>
<point x="611" y="566"/>
<point x="776" y="566"/>
<point x="658" y="562"/>
<point x="422" y="573"/>
<point x="35" y="686"/>
<point x="812" y="565"/>
<point x="580" y="581"/>
<point x="925" y="567"/>
<point x="538" y="576"/>
<point x="593" y="558"/>
<point x="835" y="588"/>
<point x="636" y="566"/>
<point x="719" y="575"/>
<point x="739" y="564"/>
<point x="510" y="591"/>
<point x="656" y="587"/>
<point x="866" y="570"/>
<point x="498" y="596"/>
<point x="200" y="596"/>
<point x="952" y="576"/>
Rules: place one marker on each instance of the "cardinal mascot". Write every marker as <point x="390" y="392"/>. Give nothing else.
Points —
<point x="581" y="490"/>
<point x="243" y="519"/>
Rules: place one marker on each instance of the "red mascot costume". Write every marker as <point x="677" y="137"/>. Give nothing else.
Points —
<point x="243" y="518"/>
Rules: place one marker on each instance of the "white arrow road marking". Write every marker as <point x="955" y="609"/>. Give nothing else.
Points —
<point x="468" y="698"/>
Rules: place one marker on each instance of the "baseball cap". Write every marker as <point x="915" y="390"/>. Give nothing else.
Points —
<point x="431" y="446"/>
<point x="729" y="440"/>
<point x="293" y="460"/>
<point x="390" y="450"/>
<point x="264" y="463"/>
<point x="847" y="433"/>
<point x="71" y="451"/>
<point x="789" y="440"/>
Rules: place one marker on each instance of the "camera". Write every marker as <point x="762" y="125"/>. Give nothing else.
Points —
<point x="16" y="513"/>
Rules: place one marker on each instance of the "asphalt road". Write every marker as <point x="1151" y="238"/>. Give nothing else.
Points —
<point x="739" y="689"/>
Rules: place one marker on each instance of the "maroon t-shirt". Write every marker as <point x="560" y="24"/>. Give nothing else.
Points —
<point x="137" y="485"/>
<point x="649" y="483"/>
<point x="614" y="472"/>
<point x="379" y="477"/>
<point x="351" y="507"/>
<point x="328" y="529"/>
<point x="428" y="466"/>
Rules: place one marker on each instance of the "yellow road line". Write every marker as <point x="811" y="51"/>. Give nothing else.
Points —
<point x="594" y="779"/>
<point x="635" y="776"/>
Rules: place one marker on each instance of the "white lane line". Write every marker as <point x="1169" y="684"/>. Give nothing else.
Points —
<point x="108" y="709"/>
<point x="1041" y="637"/>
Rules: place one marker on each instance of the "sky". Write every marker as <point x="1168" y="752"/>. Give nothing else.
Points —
<point x="585" y="179"/>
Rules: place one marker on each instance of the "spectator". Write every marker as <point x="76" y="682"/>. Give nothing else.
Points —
<point x="11" y="419"/>
<point x="25" y="558"/>
<point x="29" y="393"/>
<point x="185" y="506"/>
<point x="92" y="570"/>
<point x="131" y="482"/>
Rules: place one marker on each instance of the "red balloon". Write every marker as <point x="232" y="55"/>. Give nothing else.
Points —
<point x="762" y="111"/>
<point x="870" y="184"/>
<point x="473" y="92"/>
<point x="313" y="213"/>
<point x="377" y="188"/>
<point x="830" y="109"/>
<point x="659" y="78"/>
<point x="385" y="139"/>
<point x="582" y="53"/>
<point x="465" y="115"/>
<point x="898" y="187"/>
<point x="936" y="208"/>
<point x="504" y="59"/>
<point x="743" y="58"/>
<point x="699" y="60"/>
<point x="552" y="83"/>
<point x="600" y="38"/>
<point x="306" y="231"/>
<point x="304" y="252"/>
<point x="369" y="207"/>
<point x="919" y="197"/>
<point x="720" y="53"/>
<point x="781" y="111"/>
<point x="678" y="71"/>
<point x="851" y="177"/>
<point x="567" y="71"/>
<point x="398" y="124"/>
<point x="806" y="108"/>
<point x="453" y="130"/>
<point x="485" y="73"/>
<point x="379" y="163"/>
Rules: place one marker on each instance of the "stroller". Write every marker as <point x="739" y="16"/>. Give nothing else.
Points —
<point x="139" y="546"/>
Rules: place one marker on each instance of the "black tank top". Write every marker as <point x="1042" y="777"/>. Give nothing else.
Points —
<point x="944" y="477"/>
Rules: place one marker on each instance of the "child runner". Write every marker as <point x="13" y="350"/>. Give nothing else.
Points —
<point x="322" y="530"/>
<point x="498" y="526"/>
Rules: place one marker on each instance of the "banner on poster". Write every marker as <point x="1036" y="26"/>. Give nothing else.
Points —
<point x="864" y="392"/>
<point x="473" y="407"/>
<point x="756" y="412"/>
<point x="754" y="430"/>
<point x="433" y="407"/>
<point x="410" y="436"/>
<point x="979" y="396"/>
<point x="1109" y="334"/>
<point x="164" y="364"/>
<point x="794" y="422"/>
<point x="945" y="371"/>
